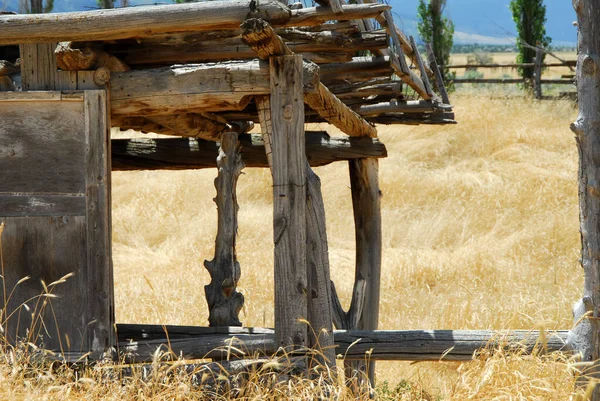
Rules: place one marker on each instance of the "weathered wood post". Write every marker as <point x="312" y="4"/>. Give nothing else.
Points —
<point x="537" y="85"/>
<point x="224" y="302"/>
<point x="289" y="201"/>
<point x="584" y="337"/>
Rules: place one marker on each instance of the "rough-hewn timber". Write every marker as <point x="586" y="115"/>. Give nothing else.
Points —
<point x="224" y="301"/>
<point x="140" y="342"/>
<point x="289" y="202"/>
<point x="86" y="58"/>
<point x="184" y="153"/>
<point x="140" y="22"/>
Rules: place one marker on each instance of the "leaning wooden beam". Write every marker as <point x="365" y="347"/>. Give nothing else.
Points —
<point x="140" y="22"/>
<point x="194" y="88"/>
<point x="224" y="301"/>
<point x="439" y="79"/>
<point x="184" y="153"/>
<point x="260" y="36"/>
<point x="139" y="342"/>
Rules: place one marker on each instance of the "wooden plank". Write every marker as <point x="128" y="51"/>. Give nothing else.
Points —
<point x="439" y="79"/>
<point x="421" y="66"/>
<point x="568" y="63"/>
<point x="289" y="201"/>
<point x="45" y="249"/>
<point x="41" y="205"/>
<point x="366" y="203"/>
<point x="184" y="153"/>
<point x="190" y="88"/>
<point x="141" y="341"/>
<point x="28" y="164"/>
<point x="224" y="301"/>
<point x="98" y="284"/>
<point x="38" y="66"/>
<point x="410" y="106"/>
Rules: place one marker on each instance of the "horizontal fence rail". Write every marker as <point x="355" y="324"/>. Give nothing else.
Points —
<point x="138" y="343"/>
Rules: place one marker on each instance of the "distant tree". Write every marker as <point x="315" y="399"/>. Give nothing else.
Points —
<point x="530" y="17"/>
<point x="35" y="6"/>
<point x="106" y="3"/>
<point x="436" y="29"/>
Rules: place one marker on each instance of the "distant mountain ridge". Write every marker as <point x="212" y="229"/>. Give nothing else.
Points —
<point x="476" y="21"/>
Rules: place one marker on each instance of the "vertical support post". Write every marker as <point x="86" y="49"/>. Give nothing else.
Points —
<point x="585" y="336"/>
<point x="224" y="302"/>
<point x="38" y="66"/>
<point x="364" y="182"/>
<point x="289" y="201"/>
<point x="538" y="72"/>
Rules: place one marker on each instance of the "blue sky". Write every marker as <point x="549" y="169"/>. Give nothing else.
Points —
<point x="483" y="21"/>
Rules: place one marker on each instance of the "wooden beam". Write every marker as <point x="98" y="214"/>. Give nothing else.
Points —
<point x="185" y="153"/>
<point x="38" y="66"/>
<point x="289" y="202"/>
<point x="224" y="301"/>
<point x="141" y="342"/>
<point x="144" y="21"/>
<point x="135" y="22"/>
<point x="439" y="79"/>
<point x="194" y="88"/>
<point x="421" y="65"/>
<point x="411" y="106"/>
<point x="260" y="36"/>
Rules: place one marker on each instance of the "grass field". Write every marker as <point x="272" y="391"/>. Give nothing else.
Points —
<point x="480" y="232"/>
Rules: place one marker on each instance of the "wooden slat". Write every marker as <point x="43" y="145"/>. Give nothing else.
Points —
<point x="38" y="66"/>
<point x="393" y="345"/>
<point x="421" y="66"/>
<point x="97" y="271"/>
<point x="289" y="201"/>
<point x="317" y="15"/>
<point x="439" y="79"/>
<point x="184" y="153"/>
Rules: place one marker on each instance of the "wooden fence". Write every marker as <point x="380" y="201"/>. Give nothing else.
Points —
<point x="538" y="70"/>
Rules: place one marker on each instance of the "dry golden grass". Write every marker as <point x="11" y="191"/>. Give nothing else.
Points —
<point x="480" y="232"/>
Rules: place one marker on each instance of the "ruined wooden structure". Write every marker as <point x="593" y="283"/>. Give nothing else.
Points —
<point x="202" y="73"/>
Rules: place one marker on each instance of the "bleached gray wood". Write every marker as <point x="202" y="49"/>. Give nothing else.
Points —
<point x="139" y="342"/>
<point x="289" y="201"/>
<point x="410" y="106"/>
<point x="194" y="88"/>
<point x="224" y="301"/>
<point x="584" y="338"/>
<point x="134" y="22"/>
<point x="184" y="153"/>
<point x="366" y="203"/>
<point x="312" y="16"/>
<point x="42" y="205"/>
<point x="38" y="66"/>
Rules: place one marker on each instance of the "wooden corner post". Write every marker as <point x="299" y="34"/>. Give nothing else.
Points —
<point x="584" y="337"/>
<point x="289" y="201"/>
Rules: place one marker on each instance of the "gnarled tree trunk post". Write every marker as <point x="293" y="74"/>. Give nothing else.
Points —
<point x="584" y="338"/>
<point x="224" y="302"/>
